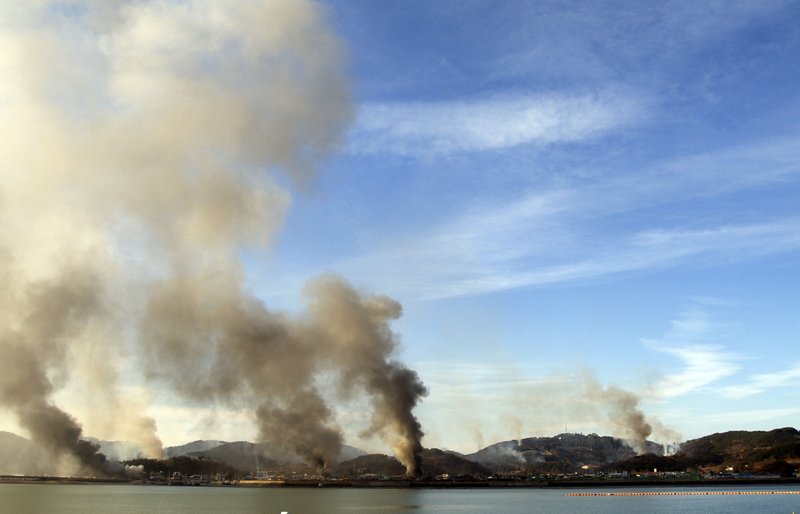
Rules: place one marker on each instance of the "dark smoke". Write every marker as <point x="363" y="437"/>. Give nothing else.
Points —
<point x="211" y="341"/>
<point x="54" y="313"/>
<point x="625" y="415"/>
<point x="58" y="432"/>
<point x="289" y="427"/>
<point x="355" y="334"/>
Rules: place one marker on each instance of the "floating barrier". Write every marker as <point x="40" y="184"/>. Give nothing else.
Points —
<point x="684" y="493"/>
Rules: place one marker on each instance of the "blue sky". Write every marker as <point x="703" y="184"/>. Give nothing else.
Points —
<point x="562" y="189"/>
<point x="576" y="203"/>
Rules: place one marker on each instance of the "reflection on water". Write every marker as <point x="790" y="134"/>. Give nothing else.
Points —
<point x="36" y="498"/>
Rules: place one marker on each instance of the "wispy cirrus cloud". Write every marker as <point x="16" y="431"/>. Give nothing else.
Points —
<point x="763" y="382"/>
<point x="769" y="417"/>
<point x="586" y="228"/>
<point x="465" y="381"/>
<point x="644" y="33"/>
<point x="497" y="122"/>
<point x="703" y="361"/>
<point x="703" y="365"/>
<point x="450" y="264"/>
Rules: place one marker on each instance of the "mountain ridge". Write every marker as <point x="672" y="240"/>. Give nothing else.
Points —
<point x="773" y="451"/>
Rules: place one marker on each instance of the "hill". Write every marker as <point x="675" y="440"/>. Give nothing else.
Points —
<point x="769" y="451"/>
<point x="774" y="451"/>
<point x="372" y="464"/>
<point x="246" y="456"/>
<point x="740" y="446"/>
<point x="562" y="453"/>
<point x="193" y="447"/>
<point x="434" y="462"/>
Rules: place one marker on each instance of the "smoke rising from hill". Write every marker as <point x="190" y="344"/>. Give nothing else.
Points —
<point x="571" y="402"/>
<point x="623" y="412"/>
<point x="141" y="141"/>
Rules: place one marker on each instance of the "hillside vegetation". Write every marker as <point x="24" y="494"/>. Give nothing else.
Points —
<point x="774" y="451"/>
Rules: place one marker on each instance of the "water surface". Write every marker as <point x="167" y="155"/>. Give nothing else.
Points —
<point x="40" y="498"/>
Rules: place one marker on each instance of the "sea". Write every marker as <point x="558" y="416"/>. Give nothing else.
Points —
<point x="77" y="498"/>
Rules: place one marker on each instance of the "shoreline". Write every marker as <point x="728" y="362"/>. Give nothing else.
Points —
<point x="417" y="484"/>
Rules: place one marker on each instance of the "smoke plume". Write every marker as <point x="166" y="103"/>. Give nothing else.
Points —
<point x="573" y="403"/>
<point x="35" y="345"/>
<point x="142" y="141"/>
<point x="626" y="419"/>
<point x="355" y="333"/>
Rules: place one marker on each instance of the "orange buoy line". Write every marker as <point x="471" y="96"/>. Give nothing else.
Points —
<point x="684" y="493"/>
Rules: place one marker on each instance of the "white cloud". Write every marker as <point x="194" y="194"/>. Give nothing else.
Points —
<point x="425" y="128"/>
<point x="703" y="363"/>
<point x="490" y="381"/>
<point x="763" y="382"/>
<point x="475" y="257"/>
<point x="751" y="417"/>
<point x="589" y="225"/>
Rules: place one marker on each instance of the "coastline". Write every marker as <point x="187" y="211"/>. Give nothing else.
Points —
<point x="418" y="484"/>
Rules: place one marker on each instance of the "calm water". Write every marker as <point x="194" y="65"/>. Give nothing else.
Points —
<point x="35" y="498"/>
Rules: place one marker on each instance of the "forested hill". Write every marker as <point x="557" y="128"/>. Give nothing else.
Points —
<point x="773" y="451"/>
<point x="560" y="453"/>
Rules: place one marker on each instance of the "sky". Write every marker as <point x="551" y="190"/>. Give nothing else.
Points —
<point x="567" y="198"/>
<point x="558" y="188"/>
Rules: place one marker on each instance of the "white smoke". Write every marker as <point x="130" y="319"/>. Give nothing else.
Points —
<point x="140" y="144"/>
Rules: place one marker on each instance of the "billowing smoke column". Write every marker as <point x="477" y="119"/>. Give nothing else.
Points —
<point x="141" y="141"/>
<point x="355" y="333"/>
<point x="52" y="313"/>
<point x="212" y="341"/>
